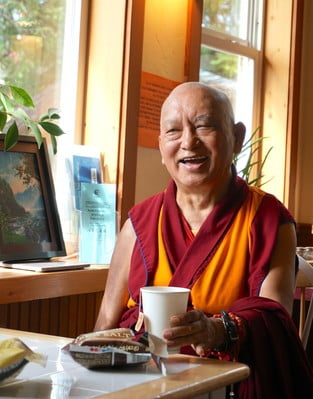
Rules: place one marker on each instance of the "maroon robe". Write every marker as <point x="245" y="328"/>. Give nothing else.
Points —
<point x="272" y="347"/>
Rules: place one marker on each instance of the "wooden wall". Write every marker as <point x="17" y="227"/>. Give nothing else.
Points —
<point x="66" y="316"/>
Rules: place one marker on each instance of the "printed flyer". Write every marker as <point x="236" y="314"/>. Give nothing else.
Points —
<point x="97" y="222"/>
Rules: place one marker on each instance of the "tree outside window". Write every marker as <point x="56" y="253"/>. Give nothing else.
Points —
<point x="30" y="46"/>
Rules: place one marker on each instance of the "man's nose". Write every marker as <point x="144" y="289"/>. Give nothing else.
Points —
<point x="189" y="139"/>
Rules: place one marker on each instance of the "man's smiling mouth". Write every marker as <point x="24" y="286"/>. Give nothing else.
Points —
<point x="194" y="160"/>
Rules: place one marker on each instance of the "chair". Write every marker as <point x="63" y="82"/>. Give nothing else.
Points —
<point x="304" y="281"/>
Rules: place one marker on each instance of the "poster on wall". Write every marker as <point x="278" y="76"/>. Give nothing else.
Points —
<point x="154" y="89"/>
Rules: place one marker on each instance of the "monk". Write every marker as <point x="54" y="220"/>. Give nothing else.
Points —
<point x="232" y="244"/>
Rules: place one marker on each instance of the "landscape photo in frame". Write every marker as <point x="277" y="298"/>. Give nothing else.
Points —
<point x="29" y="221"/>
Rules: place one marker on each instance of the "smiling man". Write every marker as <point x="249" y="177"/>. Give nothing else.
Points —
<point x="232" y="244"/>
<point x="198" y="139"/>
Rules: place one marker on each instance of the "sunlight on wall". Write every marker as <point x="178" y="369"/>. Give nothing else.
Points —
<point x="163" y="55"/>
<point x="165" y="38"/>
<point x="104" y="88"/>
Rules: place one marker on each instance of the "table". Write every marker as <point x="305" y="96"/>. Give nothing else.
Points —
<point x="19" y="285"/>
<point x="64" y="379"/>
<point x="62" y="303"/>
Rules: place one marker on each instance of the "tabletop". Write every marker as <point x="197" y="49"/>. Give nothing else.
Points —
<point x="63" y="378"/>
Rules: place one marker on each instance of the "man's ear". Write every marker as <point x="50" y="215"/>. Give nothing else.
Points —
<point x="239" y="133"/>
<point x="160" y="149"/>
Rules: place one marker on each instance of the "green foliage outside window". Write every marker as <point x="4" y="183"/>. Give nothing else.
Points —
<point x="220" y="16"/>
<point x="30" y="61"/>
<point x="28" y="45"/>
<point x="220" y="63"/>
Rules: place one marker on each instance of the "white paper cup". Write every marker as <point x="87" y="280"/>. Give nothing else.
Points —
<point x="159" y="304"/>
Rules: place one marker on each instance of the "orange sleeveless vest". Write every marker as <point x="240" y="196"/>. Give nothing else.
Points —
<point x="225" y="278"/>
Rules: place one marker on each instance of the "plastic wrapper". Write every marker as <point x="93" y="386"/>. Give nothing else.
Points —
<point x="109" y="348"/>
<point x="14" y="355"/>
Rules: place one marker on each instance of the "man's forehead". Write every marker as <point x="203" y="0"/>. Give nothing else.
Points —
<point x="196" y="99"/>
<point x="203" y="106"/>
<point x="192" y="95"/>
<point x="178" y="118"/>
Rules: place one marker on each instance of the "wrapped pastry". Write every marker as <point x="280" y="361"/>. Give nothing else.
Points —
<point x="14" y="355"/>
<point x="108" y="348"/>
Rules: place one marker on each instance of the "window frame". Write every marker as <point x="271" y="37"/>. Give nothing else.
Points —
<point x="246" y="48"/>
<point x="225" y="44"/>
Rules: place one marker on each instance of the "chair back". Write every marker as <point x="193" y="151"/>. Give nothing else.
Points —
<point x="303" y="282"/>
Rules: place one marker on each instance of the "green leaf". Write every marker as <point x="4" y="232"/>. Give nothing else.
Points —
<point x="36" y="132"/>
<point x="6" y="103"/>
<point x="51" y="114"/>
<point x="54" y="144"/>
<point x="19" y="113"/>
<point x="51" y="128"/>
<point x="55" y="116"/>
<point x="44" y="118"/>
<point x="14" y="104"/>
<point x="22" y="97"/>
<point x="3" y="120"/>
<point x="11" y="137"/>
<point x="4" y="89"/>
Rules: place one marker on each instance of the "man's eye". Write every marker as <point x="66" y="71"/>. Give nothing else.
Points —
<point x="172" y="132"/>
<point x="205" y="128"/>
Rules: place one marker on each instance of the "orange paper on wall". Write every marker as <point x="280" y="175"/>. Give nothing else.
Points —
<point x="154" y="89"/>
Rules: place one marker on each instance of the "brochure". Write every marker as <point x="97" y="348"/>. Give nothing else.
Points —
<point x="97" y="222"/>
<point x="86" y="170"/>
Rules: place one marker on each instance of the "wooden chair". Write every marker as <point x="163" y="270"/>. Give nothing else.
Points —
<point x="304" y="281"/>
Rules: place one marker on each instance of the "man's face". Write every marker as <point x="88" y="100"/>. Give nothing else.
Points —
<point x="197" y="138"/>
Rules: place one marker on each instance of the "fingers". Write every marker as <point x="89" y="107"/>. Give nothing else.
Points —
<point x="186" y="318"/>
<point x="199" y="349"/>
<point x="190" y="328"/>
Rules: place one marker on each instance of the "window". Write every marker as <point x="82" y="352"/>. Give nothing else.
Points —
<point x="39" y="52"/>
<point x="231" y="53"/>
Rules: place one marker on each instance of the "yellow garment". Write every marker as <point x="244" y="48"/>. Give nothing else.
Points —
<point x="224" y="280"/>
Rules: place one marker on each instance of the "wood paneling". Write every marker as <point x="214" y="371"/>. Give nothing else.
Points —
<point x="56" y="303"/>
<point x="66" y="316"/>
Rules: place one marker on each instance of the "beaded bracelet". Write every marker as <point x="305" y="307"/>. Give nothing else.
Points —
<point x="230" y="329"/>
<point x="235" y="334"/>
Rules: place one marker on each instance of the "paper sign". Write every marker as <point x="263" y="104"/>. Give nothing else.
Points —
<point x="97" y="223"/>
<point x="154" y="90"/>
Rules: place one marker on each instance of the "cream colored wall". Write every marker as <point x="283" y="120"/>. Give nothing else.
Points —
<point x="103" y="87"/>
<point x="276" y="92"/>
<point x="164" y="55"/>
<point x="304" y="186"/>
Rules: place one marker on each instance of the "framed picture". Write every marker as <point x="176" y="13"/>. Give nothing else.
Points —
<point x="30" y="227"/>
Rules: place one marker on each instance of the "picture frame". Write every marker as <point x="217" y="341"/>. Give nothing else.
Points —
<point x="30" y="228"/>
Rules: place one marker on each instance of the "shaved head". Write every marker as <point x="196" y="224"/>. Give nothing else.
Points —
<point x="198" y="136"/>
<point x="216" y="96"/>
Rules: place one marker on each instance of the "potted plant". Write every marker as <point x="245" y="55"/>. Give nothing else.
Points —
<point x="252" y="169"/>
<point x="15" y="106"/>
